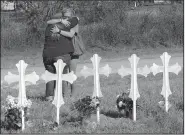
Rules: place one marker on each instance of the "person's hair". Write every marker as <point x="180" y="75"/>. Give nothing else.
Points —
<point x="57" y="16"/>
<point x="66" y="10"/>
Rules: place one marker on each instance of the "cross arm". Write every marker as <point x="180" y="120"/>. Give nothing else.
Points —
<point x="33" y="78"/>
<point x="143" y="71"/>
<point x="70" y="77"/>
<point x="86" y="72"/>
<point x="47" y="76"/>
<point x="175" y="68"/>
<point x="124" y="71"/>
<point x="106" y="70"/>
<point x="11" y="78"/>
<point x="156" y="69"/>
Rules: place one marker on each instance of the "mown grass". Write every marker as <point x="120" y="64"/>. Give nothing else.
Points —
<point x="34" y="56"/>
<point x="150" y="117"/>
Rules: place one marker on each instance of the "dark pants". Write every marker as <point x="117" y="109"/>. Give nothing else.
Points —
<point x="72" y="67"/>
<point x="49" y="66"/>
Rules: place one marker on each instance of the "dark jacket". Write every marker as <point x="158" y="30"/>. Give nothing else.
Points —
<point x="57" y="44"/>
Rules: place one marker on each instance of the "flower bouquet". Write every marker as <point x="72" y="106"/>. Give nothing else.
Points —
<point x="86" y="106"/>
<point x="13" y="117"/>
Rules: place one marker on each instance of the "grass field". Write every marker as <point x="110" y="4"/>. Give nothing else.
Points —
<point x="150" y="117"/>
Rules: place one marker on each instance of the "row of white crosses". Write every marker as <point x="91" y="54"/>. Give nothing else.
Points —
<point x="155" y="69"/>
<point x="96" y="71"/>
<point x="33" y="78"/>
<point x="133" y="71"/>
<point x="134" y="93"/>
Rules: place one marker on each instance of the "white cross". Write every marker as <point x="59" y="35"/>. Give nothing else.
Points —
<point x="21" y="78"/>
<point x="135" y="4"/>
<point x="166" y="69"/>
<point x="59" y="77"/>
<point x="106" y="70"/>
<point x="133" y="71"/>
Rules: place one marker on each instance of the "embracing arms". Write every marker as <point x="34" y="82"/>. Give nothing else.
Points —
<point x="64" y="33"/>
<point x="73" y="28"/>
<point x="64" y="21"/>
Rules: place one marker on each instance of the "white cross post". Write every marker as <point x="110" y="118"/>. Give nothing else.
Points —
<point x="133" y="71"/>
<point x="22" y="78"/>
<point x="166" y="69"/>
<point x="106" y="70"/>
<point x="59" y="77"/>
<point x="135" y="4"/>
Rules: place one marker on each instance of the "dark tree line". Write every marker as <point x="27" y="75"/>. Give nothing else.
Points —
<point x="38" y="12"/>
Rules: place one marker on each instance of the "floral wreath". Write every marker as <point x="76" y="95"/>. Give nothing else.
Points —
<point x="13" y="117"/>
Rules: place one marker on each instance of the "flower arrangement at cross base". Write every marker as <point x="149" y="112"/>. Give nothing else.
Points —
<point x="86" y="106"/>
<point x="13" y="117"/>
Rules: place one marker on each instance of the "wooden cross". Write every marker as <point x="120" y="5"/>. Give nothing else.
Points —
<point x="22" y="78"/>
<point x="106" y="70"/>
<point x="59" y="77"/>
<point x="133" y="71"/>
<point x="166" y="69"/>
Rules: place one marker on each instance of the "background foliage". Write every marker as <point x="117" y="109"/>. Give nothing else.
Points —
<point x="104" y="24"/>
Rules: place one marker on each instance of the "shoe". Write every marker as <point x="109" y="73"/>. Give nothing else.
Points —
<point x="49" y="98"/>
